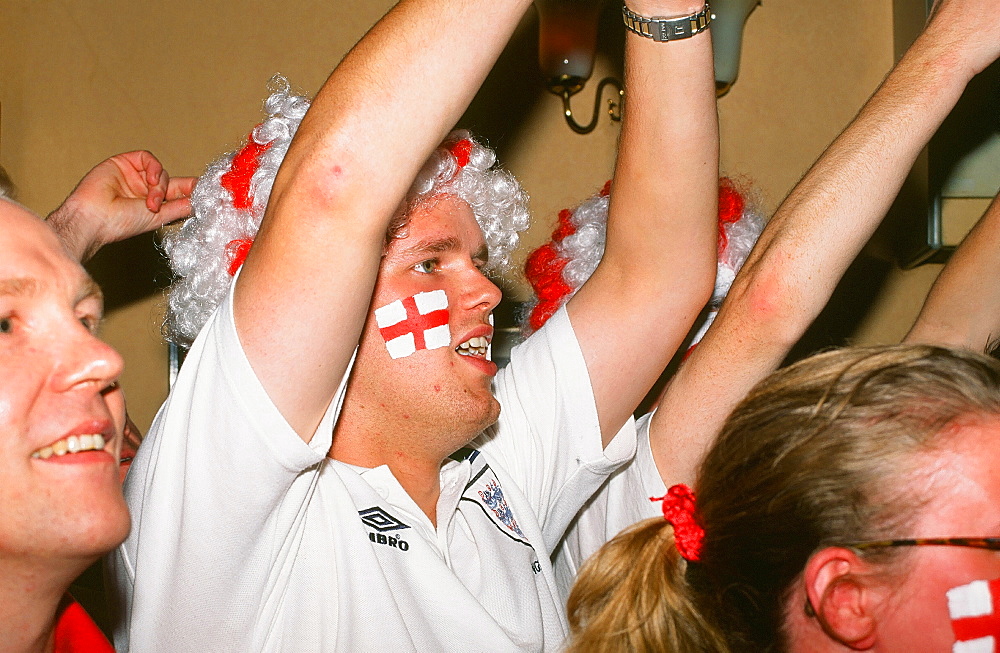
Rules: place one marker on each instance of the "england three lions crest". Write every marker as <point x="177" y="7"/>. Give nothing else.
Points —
<point x="493" y="497"/>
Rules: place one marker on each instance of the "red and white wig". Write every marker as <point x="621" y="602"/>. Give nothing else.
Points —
<point x="557" y="269"/>
<point x="230" y="197"/>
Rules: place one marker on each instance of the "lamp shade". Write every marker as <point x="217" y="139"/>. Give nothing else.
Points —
<point x="727" y="38"/>
<point x="567" y="41"/>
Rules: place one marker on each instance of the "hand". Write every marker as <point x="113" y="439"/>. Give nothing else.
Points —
<point x="123" y="196"/>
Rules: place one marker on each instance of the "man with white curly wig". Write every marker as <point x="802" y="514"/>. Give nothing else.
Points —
<point x="332" y="470"/>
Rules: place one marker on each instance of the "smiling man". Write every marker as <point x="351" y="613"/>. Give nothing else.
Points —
<point x="62" y="412"/>
<point x="339" y="465"/>
<point x="59" y="438"/>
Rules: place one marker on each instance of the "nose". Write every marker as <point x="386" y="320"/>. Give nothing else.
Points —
<point x="85" y="360"/>
<point x="481" y="292"/>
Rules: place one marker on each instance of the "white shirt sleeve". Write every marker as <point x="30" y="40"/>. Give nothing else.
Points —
<point x="548" y="438"/>
<point x="623" y="500"/>
<point x="219" y="482"/>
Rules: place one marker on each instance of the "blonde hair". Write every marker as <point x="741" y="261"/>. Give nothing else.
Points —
<point x="817" y="455"/>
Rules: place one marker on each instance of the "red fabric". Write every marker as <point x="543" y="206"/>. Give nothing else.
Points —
<point x="76" y="632"/>
<point x="731" y="206"/>
<point x="236" y="252"/>
<point x="606" y="190"/>
<point x="541" y="314"/>
<point x="975" y="627"/>
<point x="565" y="226"/>
<point x="414" y="323"/>
<point x="461" y="151"/>
<point x="679" y="510"/>
<point x="237" y="179"/>
<point x="543" y="270"/>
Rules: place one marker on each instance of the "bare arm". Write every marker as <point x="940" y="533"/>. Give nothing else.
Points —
<point x="123" y="196"/>
<point x="817" y="232"/>
<point x="302" y="297"/>
<point x="963" y="306"/>
<point x="658" y="267"/>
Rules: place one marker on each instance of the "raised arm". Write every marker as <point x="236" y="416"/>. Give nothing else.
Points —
<point x="658" y="268"/>
<point x="123" y="196"/>
<point x="963" y="306"/>
<point x="818" y="230"/>
<point x="303" y="294"/>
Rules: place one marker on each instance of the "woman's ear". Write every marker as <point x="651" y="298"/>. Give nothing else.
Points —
<point x="842" y="594"/>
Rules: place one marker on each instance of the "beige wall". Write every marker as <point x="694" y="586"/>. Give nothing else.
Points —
<point x="85" y="79"/>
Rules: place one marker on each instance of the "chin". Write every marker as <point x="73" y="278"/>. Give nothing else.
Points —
<point x="104" y="529"/>
<point x="490" y="415"/>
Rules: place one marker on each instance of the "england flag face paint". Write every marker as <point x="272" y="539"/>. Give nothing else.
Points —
<point x="414" y="323"/>
<point x="975" y="616"/>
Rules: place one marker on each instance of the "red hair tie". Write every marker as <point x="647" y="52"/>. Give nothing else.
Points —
<point x="678" y="509"/>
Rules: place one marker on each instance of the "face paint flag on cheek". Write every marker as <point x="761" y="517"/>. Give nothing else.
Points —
<point x="414" y="323"/>
<point x="975" y="616"/>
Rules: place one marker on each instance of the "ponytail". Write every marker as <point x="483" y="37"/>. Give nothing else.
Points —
<point x="632" y="597"/>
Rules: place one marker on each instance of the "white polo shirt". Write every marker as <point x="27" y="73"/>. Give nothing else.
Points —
<point x="245" y="538"/>
<point x="622" y="500"/>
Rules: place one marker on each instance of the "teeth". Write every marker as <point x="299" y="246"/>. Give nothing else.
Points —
<point x="72" y="444"/>
<point x="474" y="346"/>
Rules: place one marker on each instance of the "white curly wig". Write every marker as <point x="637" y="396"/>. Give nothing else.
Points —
<point x="230" y="197"/>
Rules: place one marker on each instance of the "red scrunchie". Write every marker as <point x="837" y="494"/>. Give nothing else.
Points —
<point x="678" y="509"/>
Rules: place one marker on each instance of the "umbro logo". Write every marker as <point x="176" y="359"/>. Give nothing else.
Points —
<point x="380" y="520"/>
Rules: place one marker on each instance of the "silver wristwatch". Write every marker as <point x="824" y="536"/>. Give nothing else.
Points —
<point x="668" y="29"/>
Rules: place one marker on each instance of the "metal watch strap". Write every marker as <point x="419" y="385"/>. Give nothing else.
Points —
<point x="668" y="29"/>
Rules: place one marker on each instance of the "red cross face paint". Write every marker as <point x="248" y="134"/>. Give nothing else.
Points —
<point x="975" y="616"/>
<point x="414" y="323"/>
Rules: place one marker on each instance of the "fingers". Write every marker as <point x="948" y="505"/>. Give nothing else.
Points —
<point x="177" y="202"/>
<point x="146" y="164"/>
<point x="157" y="191"/>
<point x="173" y="210"/>
<point x="180" y="187"/>
<point x="143" y="162"/>
<point x="159" y="186"/>
<point x="144" y="178"/>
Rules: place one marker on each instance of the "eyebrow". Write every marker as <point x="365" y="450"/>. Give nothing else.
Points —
<point x="18" y="286"/>
<point x="433" y="246"/>
<point x="89" y="288"/>
<point x="27" y="286"/>
<point x="447" y="244"/>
